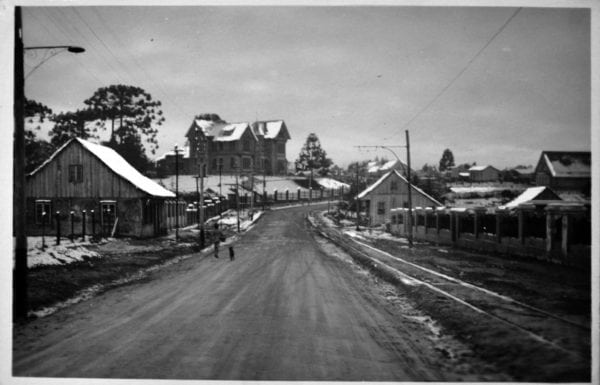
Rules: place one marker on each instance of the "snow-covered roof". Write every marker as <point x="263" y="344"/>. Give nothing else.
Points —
<point x="330" y="183"/>
<point x="526" y="196"/>
<point x="187" y="183"/>
<point x="269" y="129"/>
<point x="118" y="165"/>
<point x="372" y="187"/>
<point x="568" y="164"/>
<point x="480" y="168"/>
<point x="375" y="167"/>
<point x="185" y="151"/>
<point x="231" y="132"/>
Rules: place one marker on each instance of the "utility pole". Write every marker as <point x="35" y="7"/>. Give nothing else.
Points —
<point x="220" y="190"/>
<point x="357" y="200"/>
<point x="176" y="194"/>
<point x="20" y="298"/>
<point x="252" y="184"/>
<point x="410" y="226"/>
<point x="237" y="195"/>
<point x="201" y="204"/>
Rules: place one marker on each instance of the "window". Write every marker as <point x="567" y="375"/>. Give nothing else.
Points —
<point x="380" y="208"/>
<point x="75" y="173"/>
<point x="43" y="211"/>
<point x="214" y="163"/>
<point x="246" y="163"/>
<point x="394" y="185"/>
<point x="394" y="219"/>
<point x="220" y="146"/>
<point x="148" y="212"/>
<point x="281" y="148"/>
<point x="246" y="145"/>
<point x="232" y="162"/>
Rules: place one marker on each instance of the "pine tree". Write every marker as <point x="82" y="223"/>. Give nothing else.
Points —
<point x="313" y="157"/>
<point x="447" y="160"/>
<point x="132" y="108"/>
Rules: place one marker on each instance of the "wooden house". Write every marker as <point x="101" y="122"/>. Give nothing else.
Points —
<point x="89" y="185"/>
<point x="484" y="174"/>
<point x="391" y="191"/>
<point x="564" y="170"/>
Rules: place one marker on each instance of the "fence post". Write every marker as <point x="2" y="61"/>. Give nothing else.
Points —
<point x="93" y="223"/>
<point x="287" y="195"/>
<point x="521" y="227"/>
<point x="44" y="216"/>
<point x="83" y="225"/>
<point x="565" y="235"/>
<point x="58" y="228"/>
<point x="275" y="195"/>
<point x="499" y="214"/>
<point x="437" y="221"/>
<point x="478" y="211"/>
<point x="299" y="198"/>
<point x="72" y="236"/>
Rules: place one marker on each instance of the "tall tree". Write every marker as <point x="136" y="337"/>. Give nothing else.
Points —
<point x="69" y="124"/>
<point x="132" y="150"/>
<point x="36" y="150"/>
<point x="313" y="157"/>
<point x="447" y="160"/>
<point x="131" y="112"/>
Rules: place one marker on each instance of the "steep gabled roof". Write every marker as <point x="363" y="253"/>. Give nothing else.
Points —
<point x="567" y="164"/>
<point x="231" y="132"/>
<point x="370" y="189"/>
<point x="270" y="129"/>
<point x="116" y="164"/>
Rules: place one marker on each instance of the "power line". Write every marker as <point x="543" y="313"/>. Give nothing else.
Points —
<point x="152" y="79"/>
<point x="462" y="71"/>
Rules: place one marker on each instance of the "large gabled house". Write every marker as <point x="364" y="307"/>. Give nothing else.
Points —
<point x="82" y="176"/>
<point x="391" y="191"/>
<point x="230" y="147"/>
<point x="564" y="170"/>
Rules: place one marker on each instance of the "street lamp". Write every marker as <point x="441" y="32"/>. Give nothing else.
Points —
<point x="53" y="51"/>
<point x="20" y="298"/>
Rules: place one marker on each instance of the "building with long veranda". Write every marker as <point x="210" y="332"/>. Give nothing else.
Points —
<point x="245" y="147"/>
<point x="88" y="188"/>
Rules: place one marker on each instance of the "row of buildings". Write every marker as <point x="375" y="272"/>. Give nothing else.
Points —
<point x="557" y="169"/>
<point x="563" y="171"/>
<point x="227" y="148"/>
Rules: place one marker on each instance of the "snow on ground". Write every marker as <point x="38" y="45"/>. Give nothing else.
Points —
<point x="65" y="253"/>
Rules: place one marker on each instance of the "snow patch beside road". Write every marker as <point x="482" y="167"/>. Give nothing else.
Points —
<point x="65" y="253"/>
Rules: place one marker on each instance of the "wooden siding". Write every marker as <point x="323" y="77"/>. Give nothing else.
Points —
<point x="52" y="181"/>
<point x="393" y="199"/>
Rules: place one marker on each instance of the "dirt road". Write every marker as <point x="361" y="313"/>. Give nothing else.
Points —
<point x="283" y="310"/>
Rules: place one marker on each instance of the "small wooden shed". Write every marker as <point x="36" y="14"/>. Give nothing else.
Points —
<point x="86" y="181"/>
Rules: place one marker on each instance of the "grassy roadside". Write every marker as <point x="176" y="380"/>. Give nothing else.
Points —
<point x="121" y="258"/>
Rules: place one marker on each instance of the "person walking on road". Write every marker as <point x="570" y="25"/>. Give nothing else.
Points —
<point x="219" y="237"/>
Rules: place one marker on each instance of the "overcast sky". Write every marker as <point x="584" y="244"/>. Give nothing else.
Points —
<point x="352" y="75"/>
